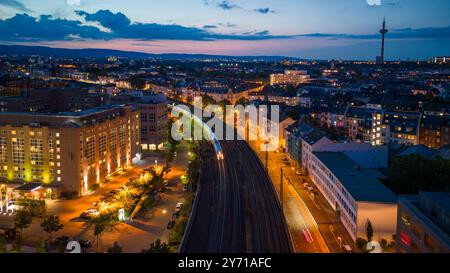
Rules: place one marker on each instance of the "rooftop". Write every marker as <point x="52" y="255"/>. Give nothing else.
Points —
<point x="363" y="184"/>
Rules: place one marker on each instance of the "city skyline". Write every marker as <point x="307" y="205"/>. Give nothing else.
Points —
<point x="321" y="30"/>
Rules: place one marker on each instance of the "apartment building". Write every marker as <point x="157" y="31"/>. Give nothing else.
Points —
<point x="435" y="130"/>
<point x="154" y="120"/>
<point x="365" y="125"/>
<point x="424" y="223"/>
<point x="68" y="151"/>
<point x="294" y="77"/>
<point x="401" y="127"/>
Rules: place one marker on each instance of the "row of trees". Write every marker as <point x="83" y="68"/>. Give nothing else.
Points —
<point x="413" y="173"/>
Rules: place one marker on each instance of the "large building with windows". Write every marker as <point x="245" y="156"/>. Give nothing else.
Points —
<point x="154" y="120"/>
<point x="424" y="223"/>
<point x="68" y="151"/>
<point x="348" y="177"/>
<point x="294" y="77"/>
<point x="154" y="116"/>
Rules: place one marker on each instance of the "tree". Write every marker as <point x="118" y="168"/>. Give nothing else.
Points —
<point x="414" y="173"/>
<point x="115" y="248"/>
<point x="99" y="228"/>
<point x="157" y="247"/>
<point x="23" y="220"/>
<point x="51" y="224"/>
<point x="40" y="248"/>
<point x="369" y="231"/>
<point x="17" y="247"/>
<point x="242" y="101"/>
<point x="2" y="244"/>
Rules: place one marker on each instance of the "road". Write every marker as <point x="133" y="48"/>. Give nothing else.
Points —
<point x="302" y="225"/>
<point x="315" y="212"/>
<point x="238" y="210"/>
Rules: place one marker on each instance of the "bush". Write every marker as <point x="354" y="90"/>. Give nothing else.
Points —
<point x="69" y="195"/>
<point x="361" y="244"/>
<point x="115" y="248"/>
<point x="94" y="187"/>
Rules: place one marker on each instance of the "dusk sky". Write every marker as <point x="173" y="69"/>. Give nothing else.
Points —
<point x="323" y="29"/>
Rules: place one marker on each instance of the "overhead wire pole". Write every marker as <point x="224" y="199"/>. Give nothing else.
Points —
<point x="281" y="189"/>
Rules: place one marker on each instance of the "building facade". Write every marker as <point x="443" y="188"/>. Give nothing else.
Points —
<point x="69" y="151"/>
<point x="154" y="121"/>
<point x="294" y="77"/>
<point x="424" y="223"/>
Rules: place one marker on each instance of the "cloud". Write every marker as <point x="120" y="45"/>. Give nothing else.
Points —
<point x="74" y="2"/>
<point x="106" y="25"/>
<point x="227" y="5"/>
<point x="406" y="33"/>
<point x="14" y="4"/>
<point x="24" y="27"/>
<point x="227" y="25"/>
<point x="264" y="10"/>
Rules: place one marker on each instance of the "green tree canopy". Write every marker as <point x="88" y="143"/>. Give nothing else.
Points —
<point x="51" y="224"/>
<point x="413" y="173"/>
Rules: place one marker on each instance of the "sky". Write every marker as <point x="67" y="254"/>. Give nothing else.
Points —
<point x="316" y="29"/>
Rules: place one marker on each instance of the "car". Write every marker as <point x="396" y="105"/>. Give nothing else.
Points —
<point x="114" y="192"/>
<point x="175" y="215"/>
<point x="316" y="193"/>
<point x="347" y="249"/>
<point x="166" y="183"/>
<point x="287" y="163"/>
<point x="107" y="198"/>
<point x="185" y="188"/>
<point x="311" y="189"/>
<point x="298" y="173"/>
<point x="285" y="159"/>
<point x="178" y="207"/>
<point x="171" y="224"/>
<point x="88" y="213"/>
<point x="305" y="185"/>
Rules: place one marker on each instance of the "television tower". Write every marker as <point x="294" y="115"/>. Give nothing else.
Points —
<point x="383" y="32"/>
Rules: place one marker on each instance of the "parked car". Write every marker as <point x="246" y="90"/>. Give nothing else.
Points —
<point x="179" y="207"/>
<point x="171" y="224"/>
<point x="348" y="249"/>
<point x="88" y="214"/>
<point x="305" y="185"/>
<point x="311" y="189"/>
<point x="175" y="215"/>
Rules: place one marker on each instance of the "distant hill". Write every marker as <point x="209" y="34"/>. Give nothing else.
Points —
<point x="102" y="53"/>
